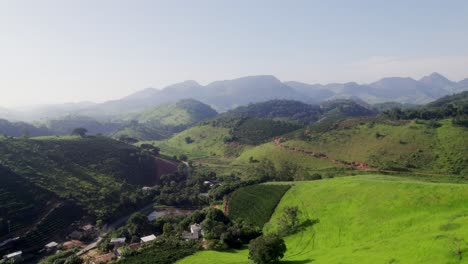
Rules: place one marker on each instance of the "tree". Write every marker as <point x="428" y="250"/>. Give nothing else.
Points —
<point x="127" y="139"/>
<point x="79" y="131"/>
<point x="267" y="249"/>
<point x="188" y="140"/>
<point x="73" y="259"/>
<point x="289" y="221"/>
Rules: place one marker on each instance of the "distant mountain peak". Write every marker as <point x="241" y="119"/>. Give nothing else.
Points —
<point x="436" y="79"/>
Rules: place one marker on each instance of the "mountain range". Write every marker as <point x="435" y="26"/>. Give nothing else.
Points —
<point x="228" y="94"/>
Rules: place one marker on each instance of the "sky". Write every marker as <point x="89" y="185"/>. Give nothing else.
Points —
<point x="55" y="51"/>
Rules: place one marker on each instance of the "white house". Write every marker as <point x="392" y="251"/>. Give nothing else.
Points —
<point x="51" y="245"/>
<point x="148" y="238"/>
<point x="17" y="256"/>
<point x="118" y="241"/>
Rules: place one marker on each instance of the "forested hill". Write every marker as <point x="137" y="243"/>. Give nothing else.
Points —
<point x="454" y="106"/>
<point x="18" y="129"/>
<point x="182" y="113"/>
<point x="289" y="110"/>
<point x="164" y="120"/>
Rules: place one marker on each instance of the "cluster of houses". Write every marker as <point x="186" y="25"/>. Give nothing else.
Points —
<point x="196" y="233"/>
<point x="74" y="241"/>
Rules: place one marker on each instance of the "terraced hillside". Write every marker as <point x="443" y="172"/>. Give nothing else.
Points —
<point x="95" y="172"/>
<point x="370" y="219"/>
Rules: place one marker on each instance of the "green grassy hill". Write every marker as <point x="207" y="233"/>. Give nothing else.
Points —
<point x="407" y="145"/>
<point x="183" y="112"/>
<point x="255" y="204"/>
<point x="165" y="119"/>
<point x="370" y="219"/>
<point x="419" y="146"/>
<point x="207" y="141"/>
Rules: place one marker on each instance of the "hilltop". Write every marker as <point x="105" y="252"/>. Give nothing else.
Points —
<point x="165" y="119"/>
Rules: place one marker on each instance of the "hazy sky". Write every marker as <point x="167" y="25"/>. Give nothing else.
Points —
<point x="64" y="50"/>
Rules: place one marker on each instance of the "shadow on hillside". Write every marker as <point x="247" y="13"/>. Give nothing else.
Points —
<point x="297" y="261"/>
<point x="304" y="225"/>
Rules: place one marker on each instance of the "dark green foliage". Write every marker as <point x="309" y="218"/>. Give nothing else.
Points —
<point x="315" y="176"/>
<point x="256" y="131"/>
<point x="455" y="106"/>
<point x="80" y="131"/>
<point x="61" y="257"/>
<point x="255" y="204"/>
<point x="21" y="201"/>
<point x="298" y="112"/>
<point x="267" y="249"/>
<point x="188" y="140"/>
<point x="182" y="190"/>
<point x="288" y="223"/>
<point x="346" y="108"/>
<point x="56" y="221"/>
<point x="228" y="186"/>
<point x="66" y="125"/>
<point x="165" y="250"/>
<point x="223" y="233"/>
<point x="93" y="171"/>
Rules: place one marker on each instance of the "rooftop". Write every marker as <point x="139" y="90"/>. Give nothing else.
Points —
<point x="14" y="254"/>
<point x="118" y="240"/>
<point x="51" y="244"/>
<point x="148" y="238"/>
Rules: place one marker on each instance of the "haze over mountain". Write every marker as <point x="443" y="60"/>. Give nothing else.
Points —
<point x="228" y="94"/>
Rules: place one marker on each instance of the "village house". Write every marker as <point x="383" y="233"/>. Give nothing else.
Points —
<point x="51" y="246"/>
<point x="118" y="241"/>
<point x="16" y="256"/>
<point x="148" y="238"/>
<point x="196" y="232"/>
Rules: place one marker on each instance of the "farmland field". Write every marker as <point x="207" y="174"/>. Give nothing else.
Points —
<point x="255" y="204"/>
<point x="370" y="219"/>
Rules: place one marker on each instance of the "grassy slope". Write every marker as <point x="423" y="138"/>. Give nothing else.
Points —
<point x="166" y="114"/>
<point x="369" y="219"/>
<point x="207" y="140"/>
<point x="408" y="146"/>
<point x="275" y="154"/>
<point x="255" y="204"/>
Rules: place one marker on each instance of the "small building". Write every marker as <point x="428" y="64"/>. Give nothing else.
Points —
<point x="146" y="188"/>
<point x="118" y="241"/>
<point x="88" y="228"/>
<point x="196" y="232"/>
<point x="148" y="238"/>
<point x="16" y="256"/>
<point x="51" y="246"/>
<point x="208" y="183"/>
